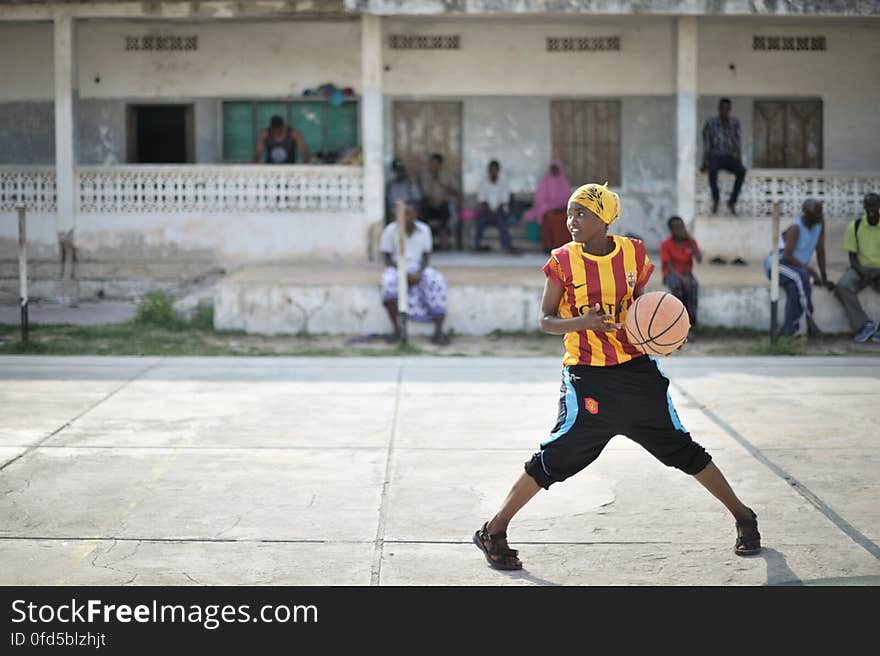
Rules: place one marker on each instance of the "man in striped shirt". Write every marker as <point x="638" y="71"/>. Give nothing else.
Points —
<point x="608" y="386"/>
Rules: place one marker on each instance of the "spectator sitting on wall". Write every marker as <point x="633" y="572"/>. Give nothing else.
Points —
<point x="280" y="143"/>
<point x="796" y="246"/>
<point x="677" y="255"/>
<point x="549" y="207"/>
<point x="439" y="191"/>
<point x="862" y="242"/>
<point x="722" y="149"/>
<point x="494" y="198"/>
<point x="426" y="295"/>
<point x="400" y="187"/>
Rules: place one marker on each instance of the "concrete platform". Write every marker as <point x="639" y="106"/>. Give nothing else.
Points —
<point x="310" y="471"/>
<point x="486" y="293"/>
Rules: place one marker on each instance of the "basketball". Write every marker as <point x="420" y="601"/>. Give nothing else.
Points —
<point x="657" y="323"/>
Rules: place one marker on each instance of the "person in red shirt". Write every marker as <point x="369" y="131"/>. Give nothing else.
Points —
<point x="677" y="255"/>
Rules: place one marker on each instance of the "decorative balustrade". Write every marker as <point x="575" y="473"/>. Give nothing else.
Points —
<point x="32" y="185"/>
<point x="186" y="189"/>
<point x="842" y="193"/>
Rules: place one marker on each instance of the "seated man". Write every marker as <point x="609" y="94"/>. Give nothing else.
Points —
<point x="427" y="286"/>
<point x="862" y="241"/>
<point x="796" y="247"/>
<point x="494" y="199"/>
<point x="438" y="190"/>
<point x="677" y="254"/>
<point x="400" y="187"/>
<point x="722" y="150"/>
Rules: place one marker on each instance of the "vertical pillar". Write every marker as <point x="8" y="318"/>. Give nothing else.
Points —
<point x="686" y="116"/>
<point x="65" y="149"/>
<point x="371" y="118"/>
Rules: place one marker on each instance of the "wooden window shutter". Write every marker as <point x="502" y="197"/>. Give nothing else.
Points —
<point x="787" y="134"/>
<point x="586" y="137"/>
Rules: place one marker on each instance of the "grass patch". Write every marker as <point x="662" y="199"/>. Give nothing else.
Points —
<point x="782" y="346"/>
<point x="157" y="311"/>
<point x="520" y="334"/>
<point x="722" y="332"/>
<point x="122" y="339"/>
<point x="177" y="339"/>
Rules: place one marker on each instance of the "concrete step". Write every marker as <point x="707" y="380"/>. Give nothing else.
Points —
<point x="487" y="292"/>
<point x="106" y="279"/>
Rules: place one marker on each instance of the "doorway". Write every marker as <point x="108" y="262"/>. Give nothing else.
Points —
<point x="160" y="134"/>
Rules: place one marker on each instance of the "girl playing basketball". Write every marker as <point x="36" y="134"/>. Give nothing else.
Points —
<point x="608" y="386"/>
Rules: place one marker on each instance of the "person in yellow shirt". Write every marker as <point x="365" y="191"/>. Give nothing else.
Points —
<point x="608" y="386"/>
<point x="862" y="242"/>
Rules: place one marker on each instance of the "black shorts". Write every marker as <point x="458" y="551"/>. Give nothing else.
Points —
<point x="597" y="403"/>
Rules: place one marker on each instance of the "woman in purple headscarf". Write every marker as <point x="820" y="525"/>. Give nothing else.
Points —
<point x="548" y="209"/>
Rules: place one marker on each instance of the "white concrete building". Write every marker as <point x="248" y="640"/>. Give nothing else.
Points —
<point x="87" y="86"/>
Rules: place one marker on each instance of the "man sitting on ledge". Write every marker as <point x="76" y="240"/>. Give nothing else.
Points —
<point x="862" y="242"/>
<point x="427" y="286"/>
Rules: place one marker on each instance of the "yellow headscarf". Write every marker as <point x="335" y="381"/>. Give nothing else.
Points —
<point x="598" y="198"/>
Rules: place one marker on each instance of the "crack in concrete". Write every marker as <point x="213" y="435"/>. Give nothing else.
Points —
<point x="845" y="527"/>
<point x="192" y="579"/>
<point x="36" y="445"/>
<point x="376" y="569"/>
<point x="226" y="530"/>
<point x="101" y="554"/>
<point x="137" y="546"/>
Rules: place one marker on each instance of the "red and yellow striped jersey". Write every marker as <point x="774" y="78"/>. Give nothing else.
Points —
<point x="609" y="280"/>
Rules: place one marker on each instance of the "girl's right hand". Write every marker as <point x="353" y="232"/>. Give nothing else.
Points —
<point x="596" y="319"/>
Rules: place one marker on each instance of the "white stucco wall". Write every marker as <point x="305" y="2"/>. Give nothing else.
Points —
<point x="845" y="76"/>
<point x="233" y="59"/>
<point x="26" y="66"/>
<point x="509" y="56"/>
<point x="223" y="236"/>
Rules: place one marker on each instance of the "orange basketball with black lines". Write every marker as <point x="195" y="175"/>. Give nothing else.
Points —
<point x="657" y="323"/>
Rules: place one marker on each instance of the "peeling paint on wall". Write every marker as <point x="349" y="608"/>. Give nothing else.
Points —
<point x="27" y="133"/>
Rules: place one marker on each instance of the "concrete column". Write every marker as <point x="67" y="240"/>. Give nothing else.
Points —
<point x="371" y="117"/>
<point x="65" y="147"/>
<point x="686" y="116"/>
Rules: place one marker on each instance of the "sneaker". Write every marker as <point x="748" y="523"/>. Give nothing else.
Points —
<point x="876" y="337"/>
<point x="866" y="332"/>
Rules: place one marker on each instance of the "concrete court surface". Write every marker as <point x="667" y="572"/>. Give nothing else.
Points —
<point x="377" y="471"/>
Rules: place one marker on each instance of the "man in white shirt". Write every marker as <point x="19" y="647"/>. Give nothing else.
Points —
<point x="494" y="199"/>
<point x="427" y="286"/>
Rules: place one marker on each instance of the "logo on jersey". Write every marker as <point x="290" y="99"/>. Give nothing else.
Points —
<point x="631" y="279"/>
<point x="591" y="405"/>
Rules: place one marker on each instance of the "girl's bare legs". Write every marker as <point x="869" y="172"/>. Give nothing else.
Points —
<point x="520" y="494"/>
<point x="713" y="480"/>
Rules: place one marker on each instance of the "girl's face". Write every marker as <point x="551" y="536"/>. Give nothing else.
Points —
<point x="583" y="223"/>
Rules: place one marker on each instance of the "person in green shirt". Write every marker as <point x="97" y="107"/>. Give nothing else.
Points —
<point x="862" y="241"/>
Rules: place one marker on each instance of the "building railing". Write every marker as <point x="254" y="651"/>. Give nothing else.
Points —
<point x="32" y="185"/>
<point x="841" y="192"/>
<point x="133" y="189"/>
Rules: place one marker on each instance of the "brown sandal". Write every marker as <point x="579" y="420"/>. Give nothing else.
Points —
<point x="748" y="540"/>
<point x="495" y="549"/>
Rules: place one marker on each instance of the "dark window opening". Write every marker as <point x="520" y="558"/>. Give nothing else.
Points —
<point x="160" y="134"/>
